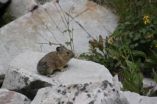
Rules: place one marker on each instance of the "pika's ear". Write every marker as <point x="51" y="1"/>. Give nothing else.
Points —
<point x="59" y="49"/>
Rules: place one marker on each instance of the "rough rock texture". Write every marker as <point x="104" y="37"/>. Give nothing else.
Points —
<point x="46" y="23"/>
<point x="88" y="93"/>
<point x="21" y="7"/>
<point x="149" y="83"/>
<point x="22" y="72"/>
<point x="134" y="98"/>
<point x="11" y="97"/>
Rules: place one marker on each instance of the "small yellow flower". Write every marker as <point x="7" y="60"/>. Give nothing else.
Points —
<point x="110" y="40"/>
<point x="146" y="20"/>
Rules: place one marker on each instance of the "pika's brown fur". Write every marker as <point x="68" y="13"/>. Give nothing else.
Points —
<point x="56" y="60"/>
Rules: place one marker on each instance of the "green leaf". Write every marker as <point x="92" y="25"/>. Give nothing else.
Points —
<point x="131" y="65"/>
<point x="138" y="53"/>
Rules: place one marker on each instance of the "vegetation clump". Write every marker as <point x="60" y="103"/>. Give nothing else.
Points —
<point x="131" y="51"/>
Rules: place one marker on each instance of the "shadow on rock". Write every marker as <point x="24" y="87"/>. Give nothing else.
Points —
<point x="31" y="90"/>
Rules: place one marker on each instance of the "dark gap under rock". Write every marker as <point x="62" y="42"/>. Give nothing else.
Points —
<point x="5" y="16"/>
<point x="31" y="90"/>
<point x="1" y="79"/>
<point x="3" y="7"/>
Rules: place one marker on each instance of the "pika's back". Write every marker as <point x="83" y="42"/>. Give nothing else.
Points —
<point x="54" y="60"/>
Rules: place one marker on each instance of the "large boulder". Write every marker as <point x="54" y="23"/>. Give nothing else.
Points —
<point x="11" y="97"/>
<point x="22" y="73"/>
<point x="33" y="30"/>
<point x="134" y="98"/>
<point x="88" y="93"/>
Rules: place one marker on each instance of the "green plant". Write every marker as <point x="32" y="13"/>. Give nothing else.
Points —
<point x="133" y="79"/>
<point x="131" y="51"/>
<point x="125" y="8"/>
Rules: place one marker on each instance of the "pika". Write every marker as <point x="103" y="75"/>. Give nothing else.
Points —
<point x="53" y="61"/>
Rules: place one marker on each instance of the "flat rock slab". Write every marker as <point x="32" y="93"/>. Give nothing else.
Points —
<point x="11" y="97"/>
<point x="48" y="23"/>
<point x="22" y="72"/>
<point x="88" y="93"/>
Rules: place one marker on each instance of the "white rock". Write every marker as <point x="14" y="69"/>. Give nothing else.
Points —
<point x="40" y="26"/>
<point x="135" y="98"/>
<point x="23" y="71"/>
<point x="21" y="7"/>
<point x="89" y="93"/>
<point x="116" y="83"/>
<point x="11" y="97"/>
<point x="147" y="82"/>
<point x="150" y="83"/>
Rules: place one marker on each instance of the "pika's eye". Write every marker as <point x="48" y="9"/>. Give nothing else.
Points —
<point x="68" y="53"/>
